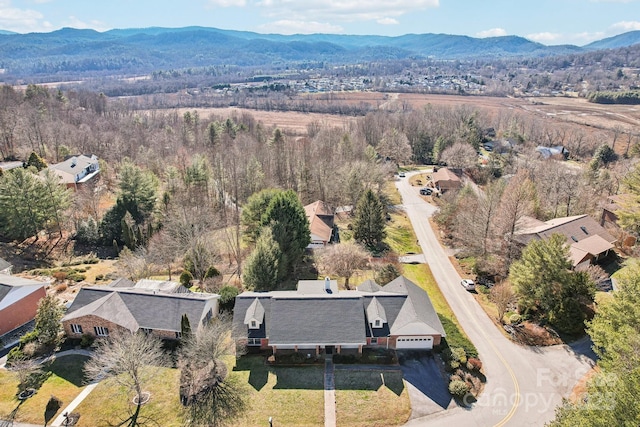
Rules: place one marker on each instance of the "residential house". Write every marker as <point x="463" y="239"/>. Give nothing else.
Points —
<point x="321" y="221"/>
<point x="588" y="241"/>
<point x="609" y="219"/>
<point x="5" y="267"/>
<point x="19" y="300"/>
<point x="76" y="170"/>
<point x="102" y="310"/>
<point x="444" y="179"/>
<point x="318" y="317"/>
<point x="557" y="152"/>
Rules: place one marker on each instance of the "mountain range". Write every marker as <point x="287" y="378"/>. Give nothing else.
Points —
<point x="130" y="51"/>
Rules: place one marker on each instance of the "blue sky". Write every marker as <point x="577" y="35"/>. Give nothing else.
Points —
<point x="547" y="21"/>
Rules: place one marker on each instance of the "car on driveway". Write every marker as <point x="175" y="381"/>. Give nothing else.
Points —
<point x="402" y="175"/>
<point x="468" y="284"/>
<point x="426" y="191"/>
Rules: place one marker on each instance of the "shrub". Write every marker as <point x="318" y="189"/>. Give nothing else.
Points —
<point x="458" y="354"/>
<point x="53" y="405"/>
<point x="211" y="272"/>
<point x="86" y="341"/>
<point x="60" y="276"/>
<point x="186" y="278"/>
<point x="454" y="377"/>
<point x="515" y="318"/>
<point x="15" y="354"/>
<point x="76" y="277"/>
<point x="228" y="297"/>
<point x="61" y="288"/>
<point x="297" y="357"/>
<point x="458" y="388"/>
<point x="100" y="277"/>
<point x="31" y="349"/>
<point x="474" y="364"/>
<point x="29" y="337"/>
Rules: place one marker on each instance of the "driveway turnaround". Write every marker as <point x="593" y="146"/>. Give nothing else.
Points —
<point x="524" y="384"/>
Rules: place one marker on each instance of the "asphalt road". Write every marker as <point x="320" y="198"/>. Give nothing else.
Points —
<point x="524" y="384"/>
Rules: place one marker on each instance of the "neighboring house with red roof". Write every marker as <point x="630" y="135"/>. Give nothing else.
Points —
<point x="76" y="170"/>
<point x="321" y="221"/>
<point x="155" y="309"/>
<point x="317" y="317"/>
<point x="19" y="300"/>
<point x="588" y="241"/>
<point x="444" y="179"/>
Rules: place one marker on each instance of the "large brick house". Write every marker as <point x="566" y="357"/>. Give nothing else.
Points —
<point x="102" y="310"/>
<point x="19" y="300"/>
<point x="317" y="317"/>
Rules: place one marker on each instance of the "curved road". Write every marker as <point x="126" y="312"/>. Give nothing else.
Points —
<point x="524" y="384"/>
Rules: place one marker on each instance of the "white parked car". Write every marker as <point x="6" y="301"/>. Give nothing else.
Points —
<point x="468" y="284"/>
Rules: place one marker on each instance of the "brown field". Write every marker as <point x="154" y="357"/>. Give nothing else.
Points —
<point x="575" y="111"/>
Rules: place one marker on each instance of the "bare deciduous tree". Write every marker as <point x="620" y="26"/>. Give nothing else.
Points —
<point x="130" y="360"/>
<point x="502" y="296"/>
<point x="342" y="260"/>
<point x="460" y="155"/>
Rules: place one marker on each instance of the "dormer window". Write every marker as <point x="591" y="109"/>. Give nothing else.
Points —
<point x="377" y="324"/>
<point x="253" y="325"/>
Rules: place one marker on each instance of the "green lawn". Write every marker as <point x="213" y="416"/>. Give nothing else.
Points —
<point x="371" y="398"/>
<point x="109" y="403"/>
<point x="63" y="379"/>
<point x="292" y="396"/>
<point x="400" y="236"/>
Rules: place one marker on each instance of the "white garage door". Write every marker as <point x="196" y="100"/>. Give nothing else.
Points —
<point x="422" y="343"/>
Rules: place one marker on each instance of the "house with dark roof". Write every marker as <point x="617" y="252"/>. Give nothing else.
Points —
<point x="101" y="310"/>
<point x="19" y="300"/>
<point x="588" y="241"/>
<point x="321" y="221"/>
<point x="76" y="170"/>
<point x="609" y="218"/>
<point x="318" y="317"/>
<point x="445" y="179"/>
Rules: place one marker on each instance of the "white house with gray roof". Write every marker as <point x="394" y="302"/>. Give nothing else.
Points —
<point x="101" y="310"/>
<point x="76" y="170"/>
<point x="319" y="317"/>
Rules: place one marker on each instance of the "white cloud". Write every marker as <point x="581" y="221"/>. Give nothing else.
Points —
<point x="21" y="20"/>
<point x="493" y="32"/>
<point x="74" y="22"/>
<point x="228" y="3"/>
<point x="341" y="10"/>
<point x="625" y="26"/>
<point x="545" y="37"/>
<point x="388" y="21"/>
<point x="286" y="26"/>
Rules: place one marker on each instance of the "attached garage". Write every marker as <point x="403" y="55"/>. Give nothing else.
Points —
<point x="414" y="342"/>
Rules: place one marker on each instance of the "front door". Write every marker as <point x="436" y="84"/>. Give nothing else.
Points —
<point x="329" y="349"/>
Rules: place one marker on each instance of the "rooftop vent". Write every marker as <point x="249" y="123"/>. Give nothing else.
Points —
<point x="583" y="228"/>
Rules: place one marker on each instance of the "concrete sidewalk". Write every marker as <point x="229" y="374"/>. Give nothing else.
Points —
<point x="329" y="394"/>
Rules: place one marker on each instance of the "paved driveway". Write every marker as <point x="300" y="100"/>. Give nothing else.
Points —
<point x="426" y="386"/>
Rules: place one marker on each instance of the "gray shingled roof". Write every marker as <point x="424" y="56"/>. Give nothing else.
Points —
<point x="417" y="312"/>
<point x="153" y="310"/>
<point x="369" y="286"/>
<point x="317" y="321"/>
<point x="292" y="317"/>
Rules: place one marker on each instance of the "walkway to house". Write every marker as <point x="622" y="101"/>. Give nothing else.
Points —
<point x="329" y="394"/>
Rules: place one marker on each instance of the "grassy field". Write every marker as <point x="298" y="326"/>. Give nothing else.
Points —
<point x="400" y="236"/>
<point x="371" y="398"/>
<point x="63" y="379"/>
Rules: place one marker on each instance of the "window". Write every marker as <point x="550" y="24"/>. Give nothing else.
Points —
<point x="254" y="341"/>
<point x="377" y="323"/>
<point x="178" y="335"/>
<point x="101" y="331"/>
<point x="76" y="329"/>
<point x="254" y="324"/>
<point x="374" y="340"/>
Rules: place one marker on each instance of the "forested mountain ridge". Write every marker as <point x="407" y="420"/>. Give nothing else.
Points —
<point x="134" y="51"/>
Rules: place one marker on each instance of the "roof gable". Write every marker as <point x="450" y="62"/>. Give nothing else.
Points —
<point x="376" y="311"/>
